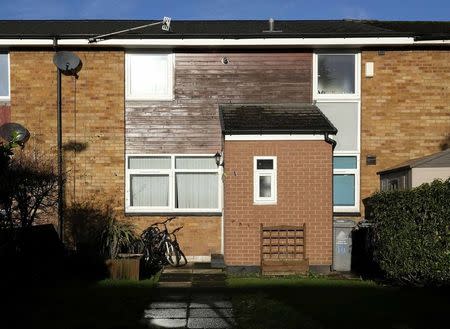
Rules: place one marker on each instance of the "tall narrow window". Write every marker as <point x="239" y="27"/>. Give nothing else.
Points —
<point x="149" y="76"/>
<point x="265" y="180"/>
<point x="4" y="76"/>
<point x="345" y="181"/>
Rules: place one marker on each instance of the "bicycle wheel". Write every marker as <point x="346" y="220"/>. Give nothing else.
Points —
<point x="169" y="252"/>
<point x="181" y="258"/>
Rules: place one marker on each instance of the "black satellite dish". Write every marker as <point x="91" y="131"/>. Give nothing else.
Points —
<point x="67" y="62"/>
<point x="14" y="132"/>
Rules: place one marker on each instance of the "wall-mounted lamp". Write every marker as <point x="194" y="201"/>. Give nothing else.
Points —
<point x="218" y="158"/>
<point x="224" y="60"/>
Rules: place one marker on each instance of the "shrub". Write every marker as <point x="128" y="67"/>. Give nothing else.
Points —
<point x="412" y="233"/>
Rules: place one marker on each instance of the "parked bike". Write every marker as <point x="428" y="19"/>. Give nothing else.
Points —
<point x="161" y="248"/>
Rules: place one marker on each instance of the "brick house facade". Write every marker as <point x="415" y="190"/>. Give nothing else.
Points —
<point x="400" y="112"/>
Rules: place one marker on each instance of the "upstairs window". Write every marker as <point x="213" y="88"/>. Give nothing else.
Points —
<point x="149" y="76"/>
<point x="4" y="76"/>
<point x="336" y="74"/>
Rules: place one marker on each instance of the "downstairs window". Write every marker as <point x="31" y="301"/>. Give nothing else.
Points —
<point x="173" y="183"/>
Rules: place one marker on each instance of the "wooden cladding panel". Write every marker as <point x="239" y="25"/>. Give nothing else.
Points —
<point x="190" y="123"/>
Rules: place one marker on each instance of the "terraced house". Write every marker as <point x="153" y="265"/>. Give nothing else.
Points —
<point x="230" y="125"/>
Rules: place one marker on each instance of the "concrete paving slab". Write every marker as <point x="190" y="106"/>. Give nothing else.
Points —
<point x="211" y="304"/>
<point x="168" y="304"/>
<point x="208" y="297"/>
<point x="169" y="313"/>
<point x="167" y="323"/>
<point x="210" y="323"/>
<point x="211" y="313"/>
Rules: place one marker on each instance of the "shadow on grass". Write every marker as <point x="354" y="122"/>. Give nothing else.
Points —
<point x="258" y="303"/>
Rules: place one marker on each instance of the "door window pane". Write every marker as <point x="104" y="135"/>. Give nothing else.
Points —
<point x="344" y="190"/>
<point x="336" y="74"/>
<point x="195" y="163"/>
<point x="149" y="190"/>
<point x="149" y="163"/>
<point x="196" y="190"/>
<point x="265" y="186"/>
<point x="4" y="80"/>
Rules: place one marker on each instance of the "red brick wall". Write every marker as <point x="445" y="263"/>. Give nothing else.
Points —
<point x="304" y="182"/>
<point x="5" y="113"/>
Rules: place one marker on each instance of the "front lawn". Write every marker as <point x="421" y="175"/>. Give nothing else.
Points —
<point x="327" y="303"/>
<point x="259" y="303"/>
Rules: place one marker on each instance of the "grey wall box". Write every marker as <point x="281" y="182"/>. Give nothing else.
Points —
<point x="342" y="244"/>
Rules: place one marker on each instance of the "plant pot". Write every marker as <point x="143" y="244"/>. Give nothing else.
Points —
<point x="125" y="267"/>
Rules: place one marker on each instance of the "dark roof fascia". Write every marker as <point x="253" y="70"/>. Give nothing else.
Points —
<point x="392" y="170"/>
<point x="214" y="36"/>
<point x="278" y="132"/>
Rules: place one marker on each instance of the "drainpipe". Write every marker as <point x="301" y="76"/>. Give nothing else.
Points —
<point x="333" y="144"/>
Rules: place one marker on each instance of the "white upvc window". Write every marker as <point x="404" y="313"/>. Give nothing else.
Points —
<point x="149" y="76"/>
<point x="173" y="184"/>
<point x="265" y="180"/>
<point x="346" y="182"/>
<point x="336" y="75"/>
<point x="4" y="77"/>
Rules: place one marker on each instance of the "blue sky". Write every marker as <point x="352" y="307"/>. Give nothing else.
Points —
<point x="225" y="9"/>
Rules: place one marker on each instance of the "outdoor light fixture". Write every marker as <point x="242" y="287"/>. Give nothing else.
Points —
<point x="14" y="132"/>
<point x="218" y="158"/>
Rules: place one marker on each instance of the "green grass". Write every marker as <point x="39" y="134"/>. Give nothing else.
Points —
<point x="259" y="303"/>
<point x="328" y="303"/>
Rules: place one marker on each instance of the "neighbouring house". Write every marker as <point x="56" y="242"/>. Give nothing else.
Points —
<point x="152" y="108"/>
<point x="415" y="172"/>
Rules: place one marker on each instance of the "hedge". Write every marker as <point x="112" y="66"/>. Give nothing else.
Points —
<point x="411" y="233"/>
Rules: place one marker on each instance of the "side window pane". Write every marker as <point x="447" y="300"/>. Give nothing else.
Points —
<point x="149" y="163"/>
<point x="149" y="190"/>
<point x="195" y="163"/>
<point x="336" y="74"/>
<point x="344" y="190"/>
<point x="265" y="186"/>
<point x="344" y="116"/>
<point x="4" y="81"/>
<point x="345" y="162"/>
<point x="264" y="164"/>
<point x="196" y="190"/>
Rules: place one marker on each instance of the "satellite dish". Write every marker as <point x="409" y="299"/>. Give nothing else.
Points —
<point x="67" y="62"/>
<point x="14" y="132"/>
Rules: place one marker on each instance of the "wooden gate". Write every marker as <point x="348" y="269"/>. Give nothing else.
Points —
<point x="283" y="250"/>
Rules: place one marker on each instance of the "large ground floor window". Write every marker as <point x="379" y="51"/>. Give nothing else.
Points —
<point x="346" y="183"/>
<point x="173" y="183"/>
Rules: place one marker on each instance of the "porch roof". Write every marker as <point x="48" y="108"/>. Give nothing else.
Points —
<point x="274" y="119"/>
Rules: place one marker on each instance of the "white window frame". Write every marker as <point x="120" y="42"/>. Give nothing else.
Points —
<point x="7" y="97"/>
<point x="356" y="173"/>
<point x="257" y="200"/>
<point x="169" y="96"/>
<point x="171" y="172"/>
<point x="356" y="95"/>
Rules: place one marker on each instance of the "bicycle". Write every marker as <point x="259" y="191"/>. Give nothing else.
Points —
<point x="159" y="249"/>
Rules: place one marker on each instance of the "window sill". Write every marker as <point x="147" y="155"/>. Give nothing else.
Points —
<point x="146" y="99"/>
<point x="262" y="203"/>
<point x="172" y="213"/>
